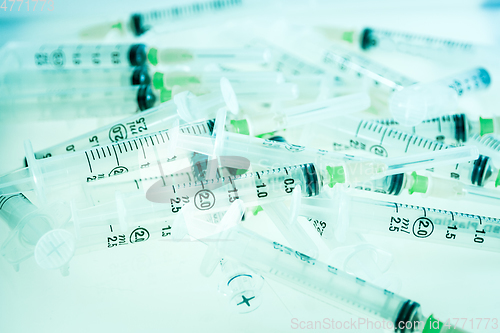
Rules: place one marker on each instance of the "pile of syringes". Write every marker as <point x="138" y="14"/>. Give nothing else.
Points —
<point x="289" y="149"/>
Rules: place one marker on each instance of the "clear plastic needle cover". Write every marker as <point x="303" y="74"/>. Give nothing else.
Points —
<point x="181" y="56"/>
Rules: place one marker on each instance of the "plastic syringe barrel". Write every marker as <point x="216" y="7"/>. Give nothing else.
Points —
<point x="55" y="175"/>
<point x="469" y="81"/>
<point x="153" y="120"/>
<point x="142" y="22"/>
<point x="346" y="213"/>
<point x="454" y="128"/>
<point x="98" y="228"/>
<point x="420" y="45"/>
<point x="254" y="188"/>
<point x="364" y="67"/>
<point x="47" y="79"/>
<point x="57" y="56"/>
<point x="384" y="141"/>
<point x="306" y="274"/>
<point x="71" y="103"/>
<point x="258" y="150"/>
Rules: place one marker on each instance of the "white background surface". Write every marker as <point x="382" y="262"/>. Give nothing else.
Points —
<point x="157" y="287"/>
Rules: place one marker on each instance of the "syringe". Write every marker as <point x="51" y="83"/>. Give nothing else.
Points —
<point x="257" y="151"/>
<point x="229" y="146"/>
<point x="394" y="184"/>
<point x="46" y="233"/>
<point x="55" y="248"/>
<point x="67" y="56"/>
<point x="361" y="67"/>
<point x="69" y="244"/>
<point x="171" y="18"/>
<point x="156" y="119"/>
<point x="163" y="201"/>
<point x="256" y="124"/>
<point x="313" y="81"/>
<point x="325" y="282"/>
<point x="456" y="128"/>
<point x="385" y="141"/>
<point x="92" y="232"/>
<point x="341" y="60"/>
<point x="75" y="103"/>
<point x="216" y="193"/>
<point x="212" y="196"/>
<point x="46" y="80"/>
<point x="154" y="200"/>
<point x="370" y="39"/>
<point x="56" y="175"/>
<point x="289" y="64"/>
<point x="86" y="235"/>
<point x="162" y="117"/>
<point x="379" y="80"/>
<point x="20" y="56"/>
<point x="418" y="102"/>
<point x="345" y="212"/>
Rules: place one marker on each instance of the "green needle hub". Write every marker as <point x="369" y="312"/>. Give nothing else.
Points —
<point x="337" y="175"/>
